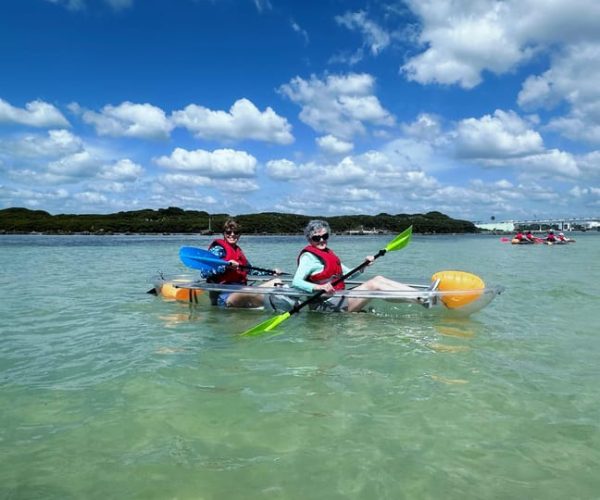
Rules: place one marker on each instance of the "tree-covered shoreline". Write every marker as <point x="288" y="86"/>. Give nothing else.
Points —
<point x="177" y="220"/>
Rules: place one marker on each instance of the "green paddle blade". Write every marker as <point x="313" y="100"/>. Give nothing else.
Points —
<point x="400" y="241"/>
<point x="266" y="326"/>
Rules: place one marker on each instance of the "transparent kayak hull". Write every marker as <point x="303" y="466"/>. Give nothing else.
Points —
<point x="464" y="301"/>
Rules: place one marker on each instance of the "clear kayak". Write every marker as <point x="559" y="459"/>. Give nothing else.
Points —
<point x="456" y="292"/>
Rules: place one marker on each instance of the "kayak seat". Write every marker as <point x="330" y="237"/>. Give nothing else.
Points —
<point x="430" y="300"/>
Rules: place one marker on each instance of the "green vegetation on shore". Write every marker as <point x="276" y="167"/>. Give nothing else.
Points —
<point x="177" y="220"/>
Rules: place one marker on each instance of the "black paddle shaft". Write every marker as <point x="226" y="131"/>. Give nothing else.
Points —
<point x="316" y="296"/>
<point x="268" y="271"/>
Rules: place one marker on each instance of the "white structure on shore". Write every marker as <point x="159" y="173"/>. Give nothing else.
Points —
<point x="362" y="230"/>
<point x="565" y="224"/>
<point x="500" y="226"/>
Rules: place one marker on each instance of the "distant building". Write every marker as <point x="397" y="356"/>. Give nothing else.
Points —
<point x="362" y="230"/>
<point x="541" y="225"/>
<point x="591" y="225"/>
<point x="504" y="226"/>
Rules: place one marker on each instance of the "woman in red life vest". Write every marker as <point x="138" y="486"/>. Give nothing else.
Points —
<point x="550" y="237"/>
<point x="319" y="266"/>
<point x="234" y="272"/>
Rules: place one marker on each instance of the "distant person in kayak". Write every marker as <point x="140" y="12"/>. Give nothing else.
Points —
<point x="319" y="266"/>
<point x="234" y="273"/>
<point x="562" y="238"/>
<point x="529" y="236"/>
<point x="550" y="236"/>
<point x="520" y="237"/>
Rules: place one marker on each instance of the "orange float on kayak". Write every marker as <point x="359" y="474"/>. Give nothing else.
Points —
<point x="170" y="291"/>
<point x="174" y="287"/>
<point x="459" y="281"/>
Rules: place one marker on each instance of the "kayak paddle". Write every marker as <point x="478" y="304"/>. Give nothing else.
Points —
<point x="197" y="258"/>
<point x="397" y="243"/>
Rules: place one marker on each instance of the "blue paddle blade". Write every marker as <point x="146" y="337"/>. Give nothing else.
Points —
<point x="197" y="258"/>
<point x="200" y="259"/>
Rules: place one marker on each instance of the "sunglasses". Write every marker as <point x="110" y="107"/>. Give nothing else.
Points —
<point x="232" y="233"/>
<point x="318" y="237"/>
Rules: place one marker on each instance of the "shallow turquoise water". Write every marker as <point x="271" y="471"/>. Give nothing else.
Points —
<point x="107" y="392"/>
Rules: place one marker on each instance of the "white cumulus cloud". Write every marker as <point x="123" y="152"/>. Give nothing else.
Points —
<point x="426" y="127"/>
<point x="330" y="144"/>
<point x="77" y="165"/>
<point x="463" y="39"/>
<point x="338" y="105"/>
<point x="185" y="180"/>
<point x="360" y="175"/>
<point x="220" y="163"/>
<point x="552" y="162"/>
<point x="90" y="198"/>
<point x="243" y="121"/>
<point x="54" y="144"/>
<point x="283" y="170"/>
<point x="122" y="171"/>
<point x="238" y="186"/>
<point x="501" y="135"/>
<point x="35" y="114"/>
<point x="143" y="121"/>
<point x="572" y="79"/>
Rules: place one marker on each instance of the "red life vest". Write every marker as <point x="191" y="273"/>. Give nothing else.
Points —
<point x="332" y="266"/>
<point x="231" y="274"/>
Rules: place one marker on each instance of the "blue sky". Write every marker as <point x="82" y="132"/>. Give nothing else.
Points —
<point x="475" y="108"/>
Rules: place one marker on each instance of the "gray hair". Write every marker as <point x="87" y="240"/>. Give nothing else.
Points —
<point x="315" y="225"/>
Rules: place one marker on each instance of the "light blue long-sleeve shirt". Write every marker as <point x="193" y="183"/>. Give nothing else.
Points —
<point x="308" y="265"/>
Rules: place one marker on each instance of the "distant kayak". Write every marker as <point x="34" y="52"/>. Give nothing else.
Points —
<point x="536" y="241"/>
<point x="540" y="241"/>
<point x="457" y="292"/>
